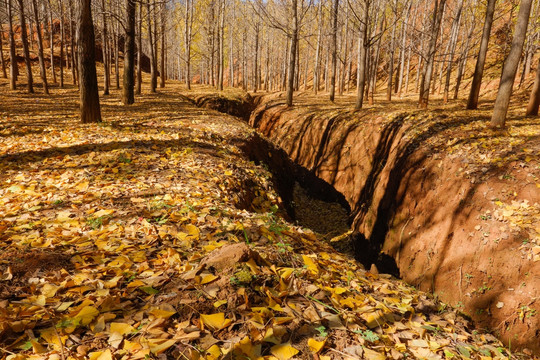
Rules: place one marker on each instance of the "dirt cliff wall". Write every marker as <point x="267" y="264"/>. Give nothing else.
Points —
<point x="455" y="206"/>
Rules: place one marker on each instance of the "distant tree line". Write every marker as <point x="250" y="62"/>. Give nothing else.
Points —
<point x="390" y="47"/>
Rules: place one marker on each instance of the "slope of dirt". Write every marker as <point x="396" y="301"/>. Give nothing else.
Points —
<point x="453" y="204"/>
<point x="177" y="249"/>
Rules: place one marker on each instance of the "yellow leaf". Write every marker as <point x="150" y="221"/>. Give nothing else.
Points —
<point x="373" y="355"/>
<point x="163" y="314"/>
<point x="310" y="264"/>
<point x="283" y="351"/>
<point x="219" y="303"/>
<point x="49" y="290"/>
<point x="121" y="328"/>
<point x="37" y="347"/>
<point x="82" y="186"/>
<point x="105" y="355"/>
<point x="193" y="231"/>
<point x="315" y="346"/>
<point x="215" y="321"/>
<point x="87" y="314"/>
<point x="213" y="353"/>
<point x="158" y="349"/>
<point x="101" y="213"/>
<point x="207" y="278"/>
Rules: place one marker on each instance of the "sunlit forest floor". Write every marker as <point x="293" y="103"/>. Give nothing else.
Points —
<point x="152" y="235"/>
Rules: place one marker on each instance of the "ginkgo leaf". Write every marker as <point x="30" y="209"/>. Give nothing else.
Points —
<point x="121" y="328"/>
<point x="87" y="315"/>
<point x="215" y="321"/>
<point x="283" y="351"/>
<point x="163" y="314"/>
<point x="315" y="346"/>
<point x="310" y="264"/>
<point x="159" y="348"/>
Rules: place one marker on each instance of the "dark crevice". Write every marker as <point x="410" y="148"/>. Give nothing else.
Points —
<point x="288" y="175"/>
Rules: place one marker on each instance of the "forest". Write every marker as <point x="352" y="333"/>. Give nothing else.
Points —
<point x="269" y="179"/>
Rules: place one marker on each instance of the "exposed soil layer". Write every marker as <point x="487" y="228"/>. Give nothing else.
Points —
<point x="437" y="198"/>
<point x="455" y="204"/>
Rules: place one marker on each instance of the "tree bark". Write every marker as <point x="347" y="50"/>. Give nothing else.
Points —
<point x="334" y="49"/>
<point x="105" y="51"/>
<point x="51" y="41"/>
<point x="4" y="72"/>
<point x="187" y="40"/>
<point x="42" y="70"/>
<point x="13" y="69"/>
<point x="62" y="40"/>
<point x="162" y="71"/>
<point x="292" y="54"/>
<point x="534" y="100"/>
<point x="428" y="69"/>
<point x="24" y="38"/>
<point x="316" y="65"/>
<point x="220" y="34"/>
<point x="472" y="102"/>
<point x="498" y="119"/>
<point x="362" y="55"/>
<point x="139" y="49"/>
<point x="453" y="42"/>
<point x="74" y="56"/>
<point x="128" y="91"/>
<point x="153" y="74"/>
<point x="90" y="109"/>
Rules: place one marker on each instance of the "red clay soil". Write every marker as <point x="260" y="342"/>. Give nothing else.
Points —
<point x="454" y="203"/>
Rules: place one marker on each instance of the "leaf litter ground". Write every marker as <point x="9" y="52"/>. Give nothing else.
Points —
<point x="126" y="240"/>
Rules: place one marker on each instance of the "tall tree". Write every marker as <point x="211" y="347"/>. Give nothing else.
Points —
<point x="188" y="26"/>
<point x="51" y="41"/>
<point x="438" y="11"/>
<point x="534" y="100"/>
<point x="333" y="50"/>
<point x="42" y="70"/>
<point x="26" y="49"/>
<point x="4" y="72"/>
<point x="88" y="86"/>
<point x="472" y="103"/>
<point x="128" y="91"/>
<point x="498" y="119"/>
<point x="13" y="70"/>
<point x="105" y="51"/>
<point x="151" y="42"/>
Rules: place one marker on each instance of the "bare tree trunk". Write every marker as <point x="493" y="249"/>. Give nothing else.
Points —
<point x="231" y="55"/>
<point x="428" y="69"/>
<point x="333" y="50"/>
<point x="74" y="55"/>
<point x="292" y="60"/>
<point x="511" y="64"/>
<point x="221" y="35"/>
<point x="453" y="43"/>
<point x="105" y="51"/>
<point x="403" y="47"/>
<point x="345" y="55"/>
<point x="463" y="60"/>
<point x="117" y="56"/>
<point x="391" y="54"/>
<point x="153" y="75"/>
<point x="62" y="40"/>
<point x="4" y="72"/>
<point x="362" y="55"/>
<point x="316" y="65"/>
<point x="13" y="69"/>
<point x="90" y="109"/>
<point x="256" y="59"/>
<point x="472" y="103"/>
<point x="162" y="71"/>
<point x="534" y="100"/>
<point x="24" y="38"/>
<point x="128" y="93"/>
<point x="51" y="41"/>
<point x="42" y="70"/>
<point x="187" y="40"/>
<point x="139" y="49"/>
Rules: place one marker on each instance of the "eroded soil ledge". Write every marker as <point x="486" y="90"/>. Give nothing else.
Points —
<point x="455" y="205"/>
